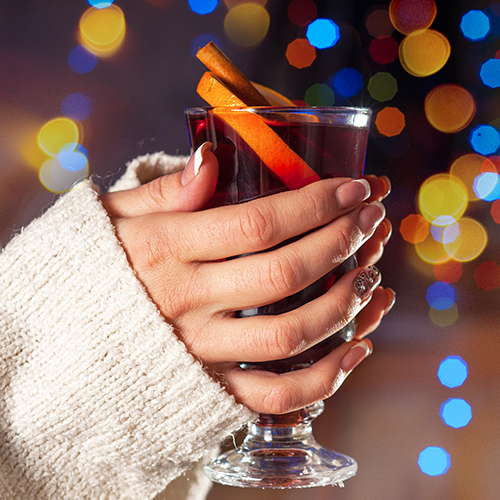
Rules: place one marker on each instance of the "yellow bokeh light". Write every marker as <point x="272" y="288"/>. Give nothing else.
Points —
<point x="445" y="317"/>
<point x="465" y="239"/>
<point x="230" y="4"/>
<point x="432" y="251"/>
<point x="56" y="134"/>
<point x="424" y="53"/>
<point x="412" y="16"/>
<point x="442" y="199"/>
<point x="102" y="31"/>
<point x="58" y="179"/>
<point x="247" y="24"/>
<point x="449" y="108"/>
<point x="468" y="167"/>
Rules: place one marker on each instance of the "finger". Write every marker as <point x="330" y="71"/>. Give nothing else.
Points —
<point x="185" y="191"/>
<point x="369" y="318"/>
<point x="380" y="187"/>
<point x="264" y="278"/>
<point x="371" y="251"/>
<point x="267" y="392"/>
<point x="267" y="337"/>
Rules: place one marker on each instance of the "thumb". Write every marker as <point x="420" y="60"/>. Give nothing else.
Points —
<point x="185" y="191"/>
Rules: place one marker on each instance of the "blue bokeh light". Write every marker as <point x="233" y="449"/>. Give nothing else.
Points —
<point x="323" y="33"/>
<point x="348" y="82"/>
<point x="201" y="40"/>
<point x="72" y="161"/>
<point x="456" y="413"/>
<point x="100" y="4"/>
<point x="434" y="461"/>
<point x="440" y="296"/>
<point x="484" y="139"/>
<point x="475" y="25"/>
<point x="81" y="60"/>
<point x="487" y="186"/>
<point x="453" y="371"/>
<point x="76" y="106"/>
<point x="490" y="73"/>
<point x="203" y="7"/>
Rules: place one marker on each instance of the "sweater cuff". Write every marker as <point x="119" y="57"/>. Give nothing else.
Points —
<point x="103" y="396"/>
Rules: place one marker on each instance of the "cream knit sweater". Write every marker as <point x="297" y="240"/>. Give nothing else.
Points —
<point x="98" y="397"/>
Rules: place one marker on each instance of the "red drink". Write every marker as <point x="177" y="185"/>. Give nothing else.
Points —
<point x="332" y="141"/>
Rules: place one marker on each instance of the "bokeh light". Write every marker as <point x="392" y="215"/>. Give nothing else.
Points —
<point x="453" y="371"/>
<point x="100" y="4"/>
<point x="431" y="251"/>
<point x="390" y="121"/>
<point x="495" y="211"/>
<point x="56" y="134"/>
<point x="487" y="186"/>
<point x="448" y="272"/>
<point x="490" y="73"/>
<point x="319" y="94"/>
<point x="434" y="461"/>
<point x="484" y="139"/>
<point x="323" y="33"/>
<point x="384" y="49"/>
<point x="300" y="53"/>
<point x="382" y="86"/>
<point x="424" y="53"/>
<point x="81" y="61"/>
<point x="233" y="3"/>
<point x="302" y="12"/>
<point x="465" y="239"/>
<point x="475" y="25"/>
<point x="449" y="108"/>
<point x="410" y="16"/>
<point x="348" y="82"/>
<point x="378" y="23"/>
<point x="444" y="317"/>
<point x="76" y="106"/>
<point x="247" y="24"/>
<point x="414" y="228"/>
<point x="468" y="167"/>
<point x="456" y="412"/>
<point x="440" y="295"/>
<point x="203" y="7"/>
<point x="487" y="275"/>
<point x="58" y="179"/>
<point x="102" y="31"/>
<point x="442" y="199"/>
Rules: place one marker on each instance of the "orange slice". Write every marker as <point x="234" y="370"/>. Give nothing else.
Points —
<point x="287" y="165"/>
<point x="272" y="97"/>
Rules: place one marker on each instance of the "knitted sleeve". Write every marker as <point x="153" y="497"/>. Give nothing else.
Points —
<point x="98" y="397"/>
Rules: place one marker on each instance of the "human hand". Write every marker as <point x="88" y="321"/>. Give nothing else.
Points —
<point x="180" y="257"/>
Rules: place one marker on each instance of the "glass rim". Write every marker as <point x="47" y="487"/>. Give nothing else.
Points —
<point x="348" y="110"/>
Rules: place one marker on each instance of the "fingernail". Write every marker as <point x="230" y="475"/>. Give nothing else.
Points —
<point x="194" y="164"/>
<point x="388" y="227"/>
<point x="392" y="298"/>
<point x="388" y="186"/>
<point x="367" y="280"/>
<point x="353" y="192"/>
<point x="371" y="216"/>
<point x="355" y="355"/>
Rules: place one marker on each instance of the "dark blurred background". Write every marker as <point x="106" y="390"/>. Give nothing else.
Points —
<point x="411" y="432"/>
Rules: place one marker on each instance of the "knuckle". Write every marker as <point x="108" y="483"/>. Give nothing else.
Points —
<point x="282" y="339"/>
<point x="256" y="226"/>
<point x="281" y="276"/>
<point x="320" y="207"/>
<point x="157" y="192"/>
<point x="277" y="399"/>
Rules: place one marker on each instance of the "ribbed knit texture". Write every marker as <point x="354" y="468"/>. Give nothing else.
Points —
<point x="98" y="397"/>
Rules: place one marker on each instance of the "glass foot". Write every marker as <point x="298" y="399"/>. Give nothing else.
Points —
<point x="281" y="456"/>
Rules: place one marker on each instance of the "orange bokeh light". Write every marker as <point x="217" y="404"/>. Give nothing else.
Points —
<point x="424" y="53"/>
<point x="300" y="53"/>
<point x="495" y="211"/>
<point x="411" y="16"/>
<point x="448" y="272"/>
<point x="449" y="108"/>
<point x="414" y="228"/>
<point x="390" y="121"/>
<point x="487" y="275"/>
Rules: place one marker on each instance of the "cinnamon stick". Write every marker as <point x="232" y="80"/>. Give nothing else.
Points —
<point x="224" y="69"/>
